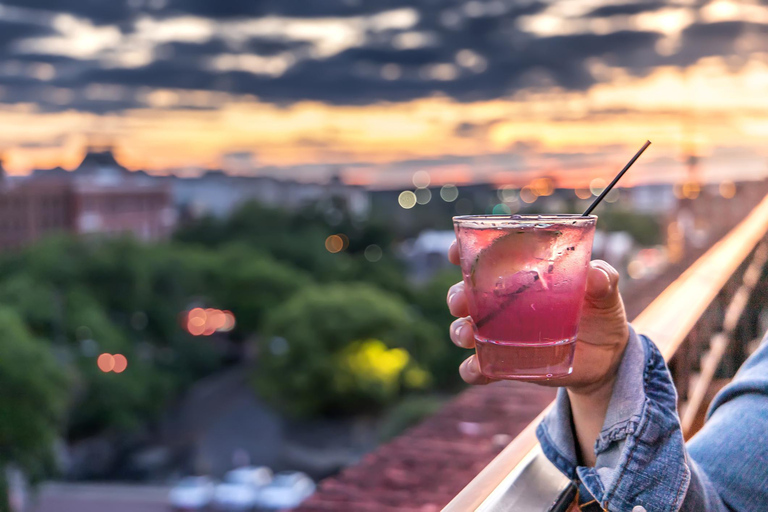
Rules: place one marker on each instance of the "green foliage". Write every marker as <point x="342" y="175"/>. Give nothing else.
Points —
<point x="407" y="413"/>
<point x="431" y="301"/>
<point x="309" y="372"/>
<point x="33" y="397"/>
<point x="644" y="228"/>
<point x="250" y="283"/>
<point x="359" y="336"/>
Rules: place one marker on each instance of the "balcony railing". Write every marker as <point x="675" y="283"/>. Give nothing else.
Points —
<point x="703" y="323"/>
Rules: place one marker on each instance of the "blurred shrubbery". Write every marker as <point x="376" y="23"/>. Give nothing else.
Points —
<point x="335" y="333"/>
<point x="343" y="347"/>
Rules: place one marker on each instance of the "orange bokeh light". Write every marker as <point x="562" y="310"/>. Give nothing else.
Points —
<point x="120" y="363"/>
<point x="334" y="244"/>
<point x="205" y="322"/>
<point x="229" y="323"/>
<point x="216" y="318"/>
<point x="106" y="362"/>
<point x="194" y="328"/>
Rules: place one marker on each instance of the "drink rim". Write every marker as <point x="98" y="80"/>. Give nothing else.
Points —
<point x="525" y="219"/>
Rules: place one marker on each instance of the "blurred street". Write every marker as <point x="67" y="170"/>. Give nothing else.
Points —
<point x="101" y="498"/>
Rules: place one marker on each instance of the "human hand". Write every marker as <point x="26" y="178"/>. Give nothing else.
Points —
<point x="602" y="337"/>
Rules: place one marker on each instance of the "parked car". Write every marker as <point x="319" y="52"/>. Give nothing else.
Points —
<point x="287" y="490"/>
<point x="192" y="493"/>
<point x="239" y="489"/>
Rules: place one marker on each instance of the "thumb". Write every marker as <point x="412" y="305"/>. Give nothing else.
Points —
<point x="602" y="286"/>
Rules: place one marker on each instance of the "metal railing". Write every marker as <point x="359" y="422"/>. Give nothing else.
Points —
<point x="702" y="323"/>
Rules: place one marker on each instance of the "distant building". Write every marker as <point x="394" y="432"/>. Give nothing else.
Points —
<point x="219" y="194"/>
<point x="427" y="254"/>
<point x="100" y="196"/>
<point x="656" y="198"/>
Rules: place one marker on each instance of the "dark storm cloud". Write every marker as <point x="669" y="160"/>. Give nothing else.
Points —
<point x="99" y="11"/>
<point x="705" y="40"/>
<point x="627" y="9"/>
<point x="507" y="59"/>
<point x="12" y="31"/>
<point x="293" y="8"/>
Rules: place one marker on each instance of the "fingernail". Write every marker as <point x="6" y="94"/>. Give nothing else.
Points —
<point x="450" y="299"/>
<point x="460" y="336"/>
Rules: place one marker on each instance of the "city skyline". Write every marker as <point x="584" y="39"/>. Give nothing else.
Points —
<point x="466" y="90"/>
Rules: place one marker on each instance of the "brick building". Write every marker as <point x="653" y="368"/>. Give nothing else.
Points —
<point x="99" y="197"/>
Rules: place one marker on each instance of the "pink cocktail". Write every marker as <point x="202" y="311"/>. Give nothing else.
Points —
<point x="525" y="277"/>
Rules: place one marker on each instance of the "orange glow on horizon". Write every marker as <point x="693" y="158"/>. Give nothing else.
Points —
<point x="608" y="120"/>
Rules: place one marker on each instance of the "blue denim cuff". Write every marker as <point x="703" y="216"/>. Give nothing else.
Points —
<point x="640" y="453"/>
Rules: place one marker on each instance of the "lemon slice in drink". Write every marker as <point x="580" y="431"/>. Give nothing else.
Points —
<point x="510" y="254"/>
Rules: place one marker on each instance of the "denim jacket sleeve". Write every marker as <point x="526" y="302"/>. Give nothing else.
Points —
<point x="641" y="458"/>
<point x="732" y="447"/>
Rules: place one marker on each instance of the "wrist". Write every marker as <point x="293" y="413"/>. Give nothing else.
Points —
<point x="599" y="388"/>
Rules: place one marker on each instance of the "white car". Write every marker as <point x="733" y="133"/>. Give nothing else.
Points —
<point x="240" y="488"/>
<point x="191" y="493"/>
<point x="287" y="490"/>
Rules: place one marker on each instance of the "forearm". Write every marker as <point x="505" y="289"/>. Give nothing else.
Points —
<point x="588" y="415"/>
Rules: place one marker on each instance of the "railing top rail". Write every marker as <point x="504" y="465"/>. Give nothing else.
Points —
<point x="672" y="315"/>
<point x="667" y="320"/>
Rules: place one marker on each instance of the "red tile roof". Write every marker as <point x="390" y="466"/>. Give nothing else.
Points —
<point x="424" y="468"/>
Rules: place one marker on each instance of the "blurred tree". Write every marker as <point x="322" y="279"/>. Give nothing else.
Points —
<point x="644" y="228"/>
<point x="343" y="348"/>
<point x="431" y="302"/>
<point x="33" y="398"/>
<point x="86" y="301"/>
<point x="250" y="283"/>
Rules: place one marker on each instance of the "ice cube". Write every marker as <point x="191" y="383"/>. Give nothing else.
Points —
<point x="518" y="282"/>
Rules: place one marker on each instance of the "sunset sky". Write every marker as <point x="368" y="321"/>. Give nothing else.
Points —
<point x="467" y="90"/>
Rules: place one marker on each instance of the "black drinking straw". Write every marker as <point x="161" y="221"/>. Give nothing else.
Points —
<point x="616" y="179"/>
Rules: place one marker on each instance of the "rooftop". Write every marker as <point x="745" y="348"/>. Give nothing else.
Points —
<point x="423" y="469"/>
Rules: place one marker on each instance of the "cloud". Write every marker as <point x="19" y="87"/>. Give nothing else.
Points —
<point x="99" y="11"/>
<point x="343" y="51"/>
<point x="727" y="38"/>
<point x="626" y="9"/>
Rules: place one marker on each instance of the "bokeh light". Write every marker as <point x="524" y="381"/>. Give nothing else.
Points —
<point x="501" y="209"/>
<point x="727" y="189"/>
<point x="120" y="363"/>
<point x="373" y="253"/>
<point x="407" y="199"/>
<point x="508" y="193"/>
<point x="613" y="196"/>
<point x="543" y="187"/>
<point x="636" y="269"/>
<point x="205" y="322"/>
<point x="106" y="362"/>
<point x="691" y="190"/>
<point x="423" y="195"/>
<point x="527" y="195"/>
<point x="421" y="179"/>
<point x="229" y="322"/>
<point x="449" y="193"/>
<point x="597" y="185"/>
<point x="216" y="318"/>
<point x="583" y="193"/>
<point x="334" y="244"/>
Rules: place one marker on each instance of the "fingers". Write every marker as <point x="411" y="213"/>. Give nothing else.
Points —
<point x="453" y="253"/>
<point x="602" y="285"/>
<point x="457" y="300"/>
<point x="470" y="372"/>
<point x="463" y="333"/>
